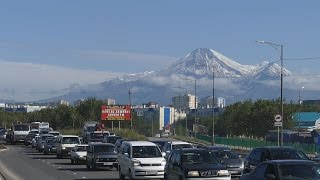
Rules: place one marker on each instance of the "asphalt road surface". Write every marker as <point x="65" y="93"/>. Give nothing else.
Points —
<point x="20" y="162"/>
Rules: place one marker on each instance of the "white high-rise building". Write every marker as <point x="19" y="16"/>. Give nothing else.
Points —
<point x="219" y="102"/>
<point x="187" y="101"/>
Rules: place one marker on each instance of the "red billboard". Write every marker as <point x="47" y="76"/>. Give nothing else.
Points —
<point x="116" y="112"/>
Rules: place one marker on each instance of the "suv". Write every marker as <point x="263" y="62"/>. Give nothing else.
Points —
<point x="101" y="155"/>
<point x="229" y="158"/>
<point x="65" y="143"/>
<point x="171" y="145"/>
<point x="140" y="159"/>
<point x="261" y="154"/>
<point x="194" y="163"/>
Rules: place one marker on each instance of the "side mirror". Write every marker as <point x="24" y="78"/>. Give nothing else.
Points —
<point x="163" y="154"/>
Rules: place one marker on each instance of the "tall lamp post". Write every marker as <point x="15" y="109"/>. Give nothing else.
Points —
<point x="300" y="108"/>
<point x="276" y="46"/>
<point x="195" y="100"/>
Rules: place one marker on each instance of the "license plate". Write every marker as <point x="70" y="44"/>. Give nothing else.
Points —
<point x="108" y="163"/>
<point x="151" y="172"/>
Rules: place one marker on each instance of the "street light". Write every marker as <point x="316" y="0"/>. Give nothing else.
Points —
<point x="195" y="100"/>
<point x="276" y="46"/>
<point x="300" y="103"/>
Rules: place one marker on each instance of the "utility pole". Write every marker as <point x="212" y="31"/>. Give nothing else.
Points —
<point x="130" y="108"/>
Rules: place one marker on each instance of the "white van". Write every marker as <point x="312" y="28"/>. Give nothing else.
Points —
<point x="65" y="143"/>
<point x="140" y="160"/>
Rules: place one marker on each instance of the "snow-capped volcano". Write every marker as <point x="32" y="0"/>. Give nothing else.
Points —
<point x="246" y="81"/>
<point x="201" y="62"/>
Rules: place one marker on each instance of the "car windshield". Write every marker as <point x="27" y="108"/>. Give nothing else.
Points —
<point x="195" y="157"/>
<point x="44" y="137"/>
<point x="50" y="140"/>
<point x="70" y="140"/>
<point x="179" y="146"/>
<point x="288" y="154"/>
<point x="112" y="139"/>
<point x="90" y="128"/>
<point x="21" y="127"/>
<point x="98" y="135"/>
<point x="146" y="152"/>
<point x="107" y="148"/>
<point x="299" y="171"/>
<point x="82" y="148"/>
<point x="225" y="155"/>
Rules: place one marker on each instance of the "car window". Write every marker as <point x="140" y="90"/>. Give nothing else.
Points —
<point x="70" y="140"/>
<point x="257" y="155"/>
<point x="225" y="154"/>
<point x="179" y="146"/>
<point x="288" y="154"/>
<point x="198" y="157"/>
<point x="299" y="171"/>
<point x="98" y="149"/>
<point x="126" y="149"/>
<point x="260" y="170"/>
<point x="146" y="152"/>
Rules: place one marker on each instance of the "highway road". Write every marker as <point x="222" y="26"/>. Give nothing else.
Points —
<point x="19" y="162"/>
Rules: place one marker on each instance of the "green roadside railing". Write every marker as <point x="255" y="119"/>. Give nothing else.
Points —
<point x="243" y="143"/>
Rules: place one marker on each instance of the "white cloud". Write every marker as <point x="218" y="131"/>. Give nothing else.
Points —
<point x="20" y="81"/>
<point x="123" y="58"/>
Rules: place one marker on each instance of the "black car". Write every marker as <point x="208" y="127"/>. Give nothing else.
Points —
<point x="197" y="163"/>
<point x="229" y="158"/>
<point x="49" y="145"/>
<point x="285" y="170"/>
<point x="111" y="139"/>
<point x="261" y="154"/>
<point x="101" y="155"/>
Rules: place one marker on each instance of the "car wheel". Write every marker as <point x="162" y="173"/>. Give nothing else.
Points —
<point x="88" y="166"/>
<point x="165" y="177"/>
<point x="121" y="176"/>
<point x="76" y="162"/>
<point x="45" y="153"/>
<point x="72" y="161"/>
<point x="93" y="165"/>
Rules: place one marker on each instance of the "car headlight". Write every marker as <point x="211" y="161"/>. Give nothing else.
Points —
<point x="63" y="148"/>
<point x="223" y="173"/>
<point x="136" y="162"/>
<point x="163" y="162"/>
<point x="193" y="173"/>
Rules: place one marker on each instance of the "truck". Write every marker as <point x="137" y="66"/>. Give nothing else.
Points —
<point x="18" y="133"/>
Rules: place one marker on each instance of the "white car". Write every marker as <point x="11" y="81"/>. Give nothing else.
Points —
<point x="78" y="154"/>
<point x="140" y="159"/>
<point x="170" y="145"/>
<point x="65" y="143"/>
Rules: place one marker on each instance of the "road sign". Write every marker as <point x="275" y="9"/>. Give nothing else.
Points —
<point x="278" y="118"/>
<point x="277" y="124"/>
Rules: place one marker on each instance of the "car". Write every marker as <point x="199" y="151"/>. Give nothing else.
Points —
<point x="120" y="141"/>
<point x="79" y="154"/>
<point x="111" y="139"/>
<point x="285" y="170"/>
<point x="34" y="141"/>
<point x="194" y="163"/>
<point x="65" y="143"/>
<point x="160" y="143"/>
<point x="49" y="145"/>
<point x="261" y="154"/>
<point x="101" y="155"/>
<point x="171" y="145"/>
<point x="140" y="159"/>
<point x="41" y="141"/>
<point x="165" y="134"/>
<point x="97" y="136"/>
<point x="229" y="158"/>
<point x="29" y="138"/>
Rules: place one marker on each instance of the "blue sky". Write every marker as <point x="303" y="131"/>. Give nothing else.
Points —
<point x="103" y="39"/>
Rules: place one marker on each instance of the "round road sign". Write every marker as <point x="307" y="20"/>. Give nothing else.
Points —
<point x="278" y="118"/>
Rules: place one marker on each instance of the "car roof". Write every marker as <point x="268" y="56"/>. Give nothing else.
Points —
<point x="140" y="143"/>
<point x="218" y="148"/>
<point x="186" y="150"/>
<point x="275" y="147"/>
<point x="100" y="144"/>
<point x="291" y="161"/>
<point x="69" y="136"/>
<point x="179" y="142"/>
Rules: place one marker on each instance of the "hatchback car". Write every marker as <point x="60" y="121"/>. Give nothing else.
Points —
<point x="229" y="158"/>
<point x="285" y="170"/>
<point x="194" y="163"/>
<point x="261" y="154"/>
